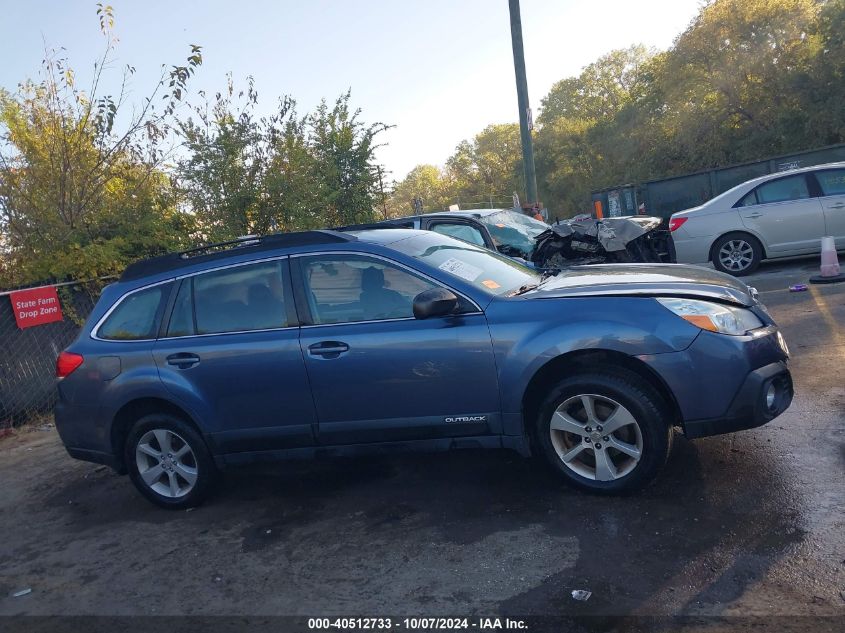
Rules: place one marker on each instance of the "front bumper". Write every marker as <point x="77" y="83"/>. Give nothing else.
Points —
<point x="720" y="382"/>
<point x="750" y="407"/>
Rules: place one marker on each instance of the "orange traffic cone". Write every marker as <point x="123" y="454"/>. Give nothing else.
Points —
<point x="830" y="271"/>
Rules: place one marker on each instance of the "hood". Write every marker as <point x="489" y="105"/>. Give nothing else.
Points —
<point x="645" y="280"/>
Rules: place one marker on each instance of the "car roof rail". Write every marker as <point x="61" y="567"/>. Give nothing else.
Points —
<point x="231" y="248"/>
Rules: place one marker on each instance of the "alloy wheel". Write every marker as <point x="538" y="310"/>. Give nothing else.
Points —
<point x="166" y="463"/>
<point x="596" y="437"/>
<point x="736" y="255"/>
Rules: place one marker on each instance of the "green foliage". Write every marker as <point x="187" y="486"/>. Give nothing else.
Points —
<point x="243" y="174"/>
<point x="342" y="148"/>
<point x="601" y="90"/>
<point x="425" y="182"/>
<point x="85" y="186"/>
<point x="79" y="198"/>
<point x="748" y="78"/>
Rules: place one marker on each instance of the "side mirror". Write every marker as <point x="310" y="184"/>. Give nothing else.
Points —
<point x="435" y="302"/>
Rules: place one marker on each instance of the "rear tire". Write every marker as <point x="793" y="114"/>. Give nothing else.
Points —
<point x="169" y="462"/>
<point x="602" y="432"/>
<point x="737" y="254"/>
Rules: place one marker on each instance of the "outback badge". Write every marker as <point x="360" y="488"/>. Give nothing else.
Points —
<point x="463" y="419"/>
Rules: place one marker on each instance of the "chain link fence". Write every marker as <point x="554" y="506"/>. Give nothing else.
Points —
<point x="28" y="356"/>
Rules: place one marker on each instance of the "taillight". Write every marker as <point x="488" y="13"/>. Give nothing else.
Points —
<point x="676" y="223"/>
<point x="66" y="363"/>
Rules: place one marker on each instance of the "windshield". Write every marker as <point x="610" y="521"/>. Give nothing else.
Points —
<point x="513" y="232"/>
<point x="482" y="268"/>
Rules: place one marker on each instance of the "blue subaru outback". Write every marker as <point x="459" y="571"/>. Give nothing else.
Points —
<point x="325" y="343"/>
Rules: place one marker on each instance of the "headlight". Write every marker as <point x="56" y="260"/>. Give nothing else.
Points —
<point x="714" y="317"/>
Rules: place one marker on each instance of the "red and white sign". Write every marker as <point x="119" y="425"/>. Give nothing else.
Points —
<point x="36" y="306"/>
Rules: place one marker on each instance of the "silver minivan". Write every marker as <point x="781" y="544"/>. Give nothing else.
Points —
<point x="778" y="215"/>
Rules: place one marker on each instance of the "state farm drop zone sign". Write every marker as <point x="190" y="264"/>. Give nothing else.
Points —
<point x="36" y="306"/>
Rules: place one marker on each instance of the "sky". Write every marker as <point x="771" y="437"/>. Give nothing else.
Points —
<point x="439" y="71"/>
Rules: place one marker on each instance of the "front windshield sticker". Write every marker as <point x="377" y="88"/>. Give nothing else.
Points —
<point x="461" y="269"/>
<point x="491" y="284"/>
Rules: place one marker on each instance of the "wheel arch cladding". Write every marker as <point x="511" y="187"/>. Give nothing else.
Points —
<point x="595" y="361"/>
<point x="134" y="410"/>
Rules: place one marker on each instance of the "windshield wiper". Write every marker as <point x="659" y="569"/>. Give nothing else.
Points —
<point x="544" y="276"/>
<point x="523" y="289"/>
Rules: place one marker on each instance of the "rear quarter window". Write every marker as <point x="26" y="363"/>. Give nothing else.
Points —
<point x="749" y="200"/>
<point x="136" y="316"/>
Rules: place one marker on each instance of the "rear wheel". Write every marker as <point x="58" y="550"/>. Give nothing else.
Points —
<point x="168" y="461"/>
<point x="737" y="254"/>
<point x="605" y="433"/>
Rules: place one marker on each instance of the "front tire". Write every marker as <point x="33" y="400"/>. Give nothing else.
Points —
<point x="737" y="254"/>
<point x="169" y="462"/>
<point x="606" y="433"/>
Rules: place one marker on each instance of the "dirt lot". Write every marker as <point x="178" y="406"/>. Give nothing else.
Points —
<point x="750" y="524"/>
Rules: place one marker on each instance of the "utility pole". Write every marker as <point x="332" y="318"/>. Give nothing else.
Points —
<point x="525" y="123"/>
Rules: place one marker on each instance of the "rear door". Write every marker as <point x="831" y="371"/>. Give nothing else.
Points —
<point x="377" y="373"/>
<point x="782" y="211"/>
<point x="832" y="191"/>
<point x="231" y="347"/>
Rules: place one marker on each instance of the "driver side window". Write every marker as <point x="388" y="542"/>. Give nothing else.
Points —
<point x="355" y="288"/>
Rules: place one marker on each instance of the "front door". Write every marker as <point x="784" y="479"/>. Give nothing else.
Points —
<point x="832" y="189"/>
<point x="788" y="219"/>
<point x="377" y="373"/>
<point x="231" y="348"/>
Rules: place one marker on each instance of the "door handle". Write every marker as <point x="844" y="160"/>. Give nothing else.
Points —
<point x="328" y="349"/>
<point x="753" y="215"/>
<point x="838" y="205"/>
<point x="183" y="360"/>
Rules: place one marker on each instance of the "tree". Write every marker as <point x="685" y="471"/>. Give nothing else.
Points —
<point x="747" y="79"/>
<point x="601" y="90"/>
<point x="344" y="158"/>
<point x="80" y="194"/>
<point x="426" y="182"/>
<point x="223" y="173"/>
<point x="243" y="174"/>
<point x="565" y="164"/>
<point x="488" y="169"/>
<point x="822" y="90"/>
<point x="729" y="80"/>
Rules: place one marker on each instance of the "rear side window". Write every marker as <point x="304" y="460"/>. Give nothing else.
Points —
<point x="790" y="188"/>
<point x="832" y="182"/>
<point x="136" y="317"/>
<point x="239" y="299"/>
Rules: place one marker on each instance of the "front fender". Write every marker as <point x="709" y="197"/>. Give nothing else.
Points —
<point x="528" y="334"/>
